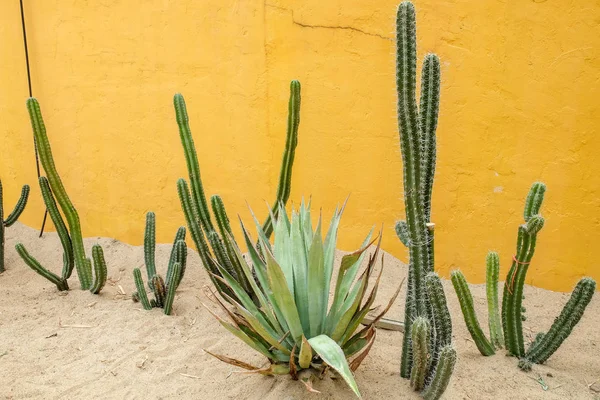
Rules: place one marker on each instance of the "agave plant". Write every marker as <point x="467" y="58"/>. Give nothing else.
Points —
<point x="293" y="322"/>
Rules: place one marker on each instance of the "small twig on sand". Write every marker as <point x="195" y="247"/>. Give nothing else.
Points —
<point x="190" y="376"/>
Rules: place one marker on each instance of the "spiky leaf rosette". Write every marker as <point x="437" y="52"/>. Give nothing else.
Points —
<point x="292" y="332"/>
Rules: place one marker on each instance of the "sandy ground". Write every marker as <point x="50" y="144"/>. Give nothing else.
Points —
<point x="77" y="345"/>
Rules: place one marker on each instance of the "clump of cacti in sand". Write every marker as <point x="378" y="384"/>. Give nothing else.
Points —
<point x="71" y="238"/>
<point x="509" y="333"/>
<point x="164" y="293"/>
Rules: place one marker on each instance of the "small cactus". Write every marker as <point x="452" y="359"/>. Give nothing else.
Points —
<point x="11" y="219"/>
<point x="492" y="273"/>
<point x="443" y="372"/>
<point x="164" y="294"/>
<point x="420" y="332"/>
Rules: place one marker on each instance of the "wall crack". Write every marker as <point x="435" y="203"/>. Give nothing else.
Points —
<point x="306" y="25"/>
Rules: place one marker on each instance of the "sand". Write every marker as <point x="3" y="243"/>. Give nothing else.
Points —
<point x="77" y="345"/>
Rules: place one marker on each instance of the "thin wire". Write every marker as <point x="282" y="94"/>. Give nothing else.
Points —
<point x="37" y="160"/>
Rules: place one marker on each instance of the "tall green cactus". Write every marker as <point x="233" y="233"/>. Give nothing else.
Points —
<point x="492" y="273"/>
<point x="425" y="299"/>
<point x="54" y="187"/>
<point x="164" y="294"/>
<point x="512" y="299"/>
<point x="11" y="219"/>
<point x="216" y="245"/>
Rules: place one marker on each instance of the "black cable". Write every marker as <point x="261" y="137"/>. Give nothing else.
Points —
<point x="37" y="160"/>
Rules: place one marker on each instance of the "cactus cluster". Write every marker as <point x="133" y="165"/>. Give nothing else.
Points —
<point x="11" y="219"/>
<point x="428" y="357"/>
<point x="219" y="238"/>
<point x="164" y="294"/>
<point x="509" y="332"/>
<point x="53" y="191"/>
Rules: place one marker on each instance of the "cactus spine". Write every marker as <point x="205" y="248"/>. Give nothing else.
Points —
<point x="82" y="263"/>
<point x="491" y="288"/>
<point x="466" y="305"/>
<point x="164" y="294"/>
<point x="546" y="344"/>
<point x="195" y="207"/>
<point x="11" y="219"/>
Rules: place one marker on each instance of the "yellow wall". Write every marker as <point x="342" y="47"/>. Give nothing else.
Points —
<point x="519" y="104"/>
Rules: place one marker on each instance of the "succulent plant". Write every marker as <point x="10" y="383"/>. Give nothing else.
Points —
<point x="71" y="239"/>
<point x="283" y="325"/>
<point x="210" y="240"/>
<point x="425" y="300"/>
<point x="11" y="219"/>
<point x="163" y="294"/>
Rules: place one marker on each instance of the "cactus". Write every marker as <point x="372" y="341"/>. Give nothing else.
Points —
<point x="65" y="240"/>
<point x="512" y="298"/>
<point x="546" y="344"/>
<point x="466" y="304"/>
<point x="11" y="219"/>
<point x="420" y="332"/>
<point x="443" y="372"/>
<point x="164" y="294"/>
<point x="491" y="285"/>
<point x="220" y="243"/>
<point x="71" y="239"/>
<point x="425" y="298"/>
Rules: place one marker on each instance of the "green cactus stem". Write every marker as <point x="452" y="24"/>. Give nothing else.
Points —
<point x="141" y="290"/>
<point x="491" y="280"/>
<point x="82" y="263"/>
<point x="546" y="344"/>
<point x="61" y="284"/>
<point x="284" y="187"/>
<point x="443" y="372"/>
<point x="402" y="233"/>
<point x="179" y="256"/>
<point x="150" y="246"/>
<point x="466" y="305"/>
<point x="172" y="287"/>
<point x="442" y="323"/>
<point x="99" y="269"/>
<point x="420" y="332"/>
<point x="11" y="219"/>
<point x="512" y="299"/>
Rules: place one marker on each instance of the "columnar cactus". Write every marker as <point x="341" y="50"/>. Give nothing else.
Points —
<point x="570" y="315"/>
<point x="512" y="299"/>
<point x="220" y="239"/>
<point x="71" y="239"/>
<point x="425" y="299"/>
<point x="163" y="294"/>
<point x="512" y="308"/>
<point x="11" y="219"/>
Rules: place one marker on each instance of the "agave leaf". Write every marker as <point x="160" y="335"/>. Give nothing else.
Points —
<point x="259" y="347"/>
<point x="299" y="263"/>
<point x="264" y="241"/>
<point x="316" y="307"/>
<point x="283" y="247"/>
<point x="283" y="298"/>
<point x="306" y="354"/>
<point x="332" y="354"/>
<point x="348" y="309"/>
<point x="329" y="253"/>
<point x="261" y="274"/>
<point x="355" y="363"/>
<point x="233" y="361"/>
<point x="306" y="222"/>
<point x="263" y="331"/>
